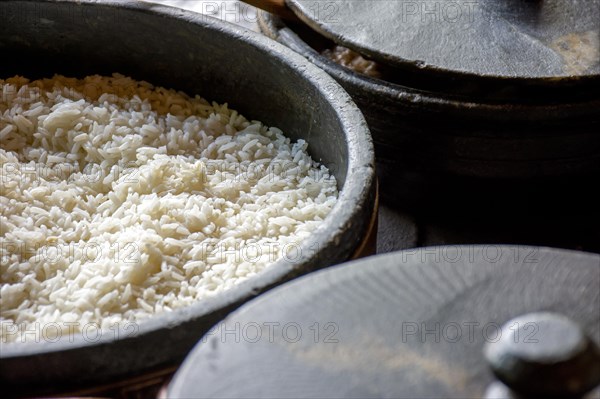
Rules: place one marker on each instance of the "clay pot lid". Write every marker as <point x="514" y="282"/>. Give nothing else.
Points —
<point x="500" y="39"/>
<point x="407" y="324"/>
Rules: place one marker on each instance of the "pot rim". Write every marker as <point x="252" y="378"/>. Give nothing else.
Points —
<point x="278" y="30"/>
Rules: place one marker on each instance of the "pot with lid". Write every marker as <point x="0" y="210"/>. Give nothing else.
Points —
<point x="453" y="322"/>
<point x="499" y="90"/>
<point x="183" y="51"/>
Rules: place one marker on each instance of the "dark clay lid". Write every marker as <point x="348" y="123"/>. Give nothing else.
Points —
<point x="406" y="324"/>
<point x="508" y="39"/>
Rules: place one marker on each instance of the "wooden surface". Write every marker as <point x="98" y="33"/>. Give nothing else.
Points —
<point x="276" y="7"/>
<point x="388" y="326"/>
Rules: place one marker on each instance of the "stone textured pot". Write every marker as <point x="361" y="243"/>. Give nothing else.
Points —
<point x="197" y="54"/>
<point x="486" y="128"/>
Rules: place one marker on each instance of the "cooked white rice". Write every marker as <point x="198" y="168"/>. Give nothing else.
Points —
<point x="121" y="200"/>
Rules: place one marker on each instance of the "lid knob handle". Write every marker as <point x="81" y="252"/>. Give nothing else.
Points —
<point x="543" y="355"/>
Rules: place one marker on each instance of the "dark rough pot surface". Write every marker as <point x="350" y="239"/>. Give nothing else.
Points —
<point x="197" y="54"/>
<point x="449" y="127"/>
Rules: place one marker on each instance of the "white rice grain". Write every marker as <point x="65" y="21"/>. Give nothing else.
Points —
<point x="120" y="200"/>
